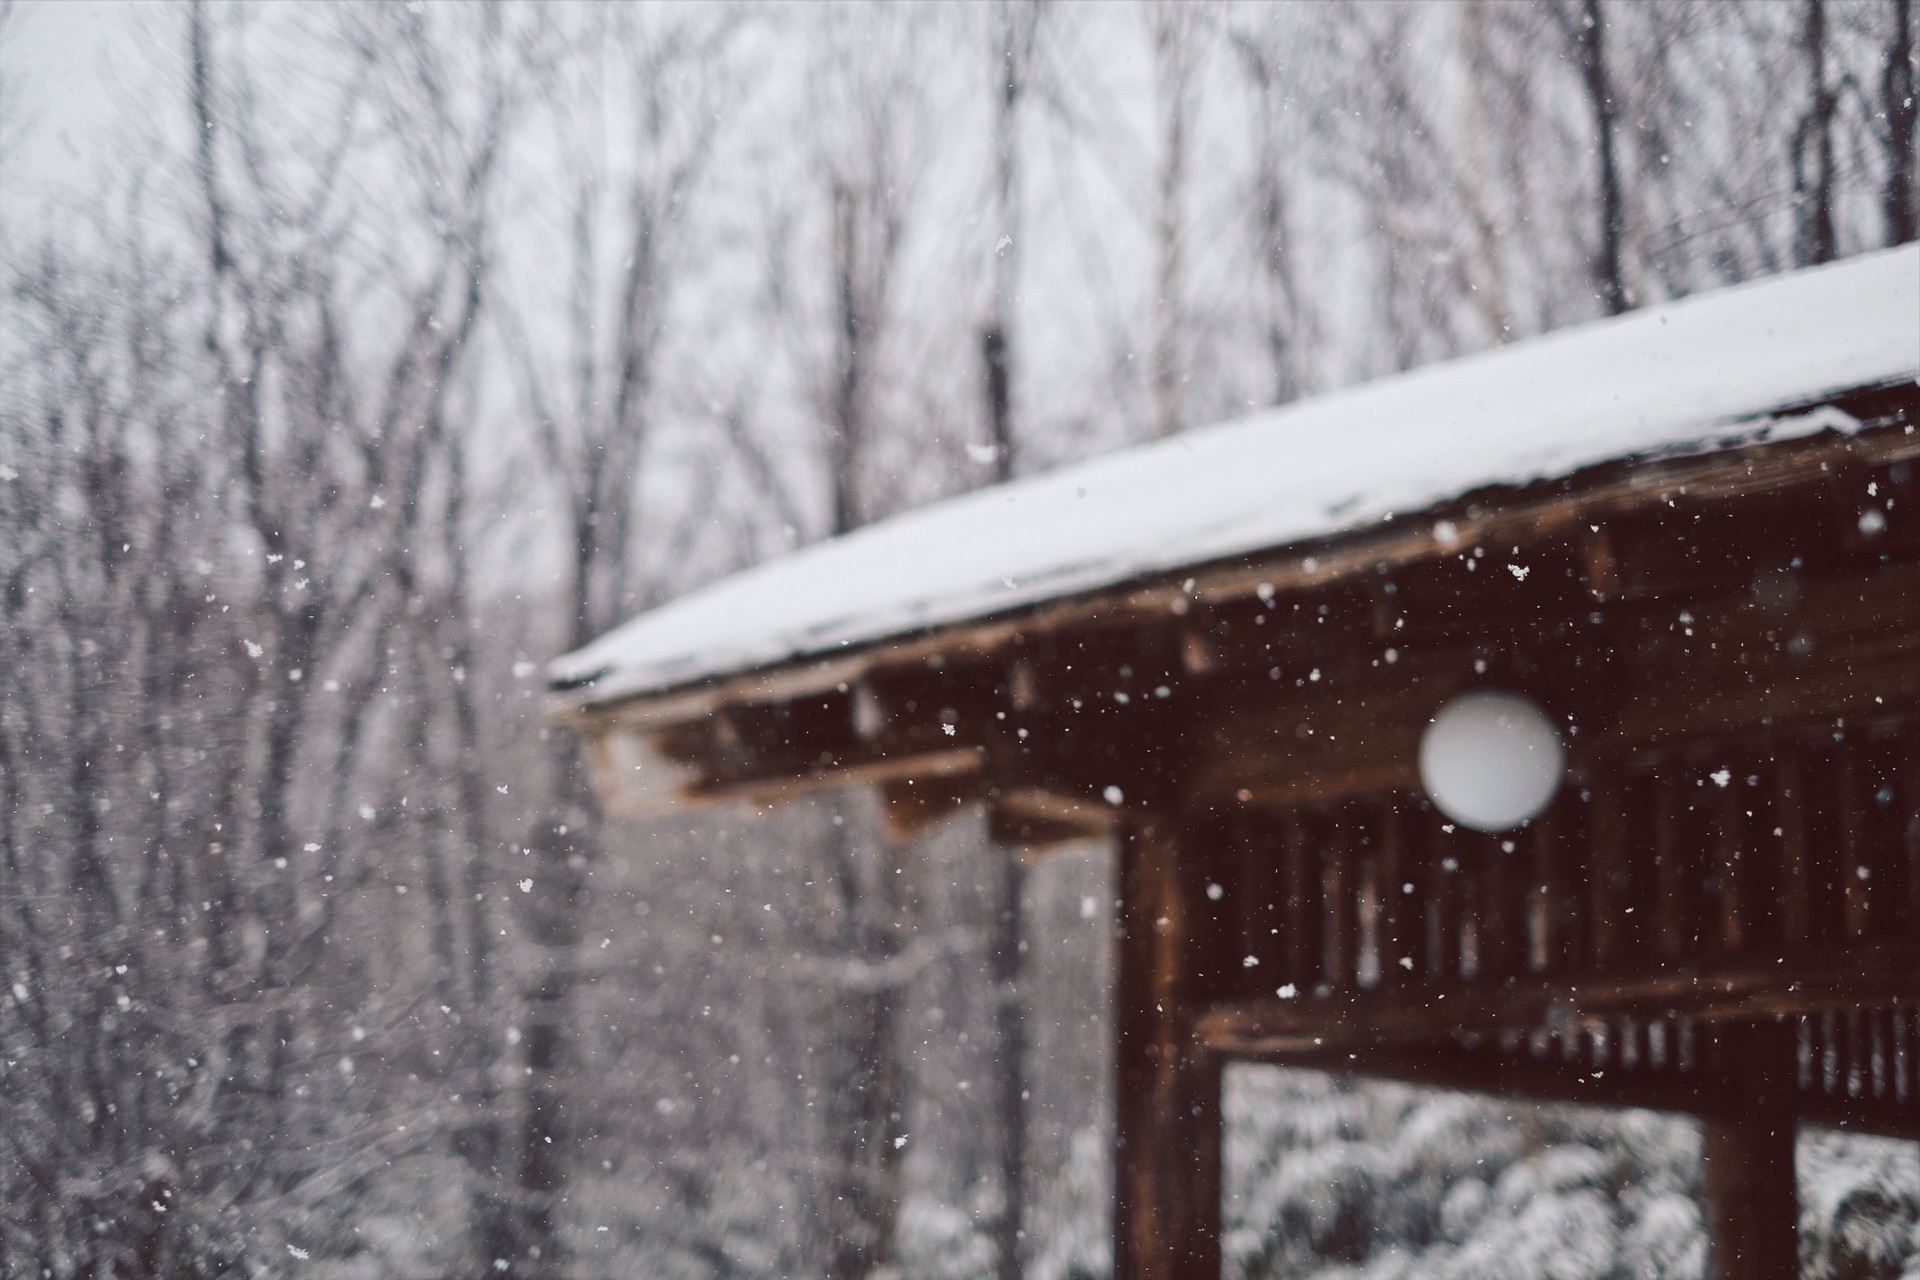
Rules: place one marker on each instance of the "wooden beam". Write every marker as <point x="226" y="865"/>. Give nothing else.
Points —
<point x="911" y="806"/>
<point x="632" y="777"/>
<point x="1033" y="818"/>
<point x="1447" y="1065"/>
<point x="1873" y="974"/>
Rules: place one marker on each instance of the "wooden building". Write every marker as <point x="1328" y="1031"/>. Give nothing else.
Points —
<point x="1690" y="534"/>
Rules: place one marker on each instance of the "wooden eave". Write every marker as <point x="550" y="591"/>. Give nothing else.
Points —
<point x="695" y="744"/>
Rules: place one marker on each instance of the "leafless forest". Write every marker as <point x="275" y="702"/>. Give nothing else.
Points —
<point x="385" y="351"/>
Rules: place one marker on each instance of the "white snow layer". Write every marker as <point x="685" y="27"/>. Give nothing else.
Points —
<point x="1679" y="377"/>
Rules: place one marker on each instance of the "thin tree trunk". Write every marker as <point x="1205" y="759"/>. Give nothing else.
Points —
<point x="1813" y="147"/>
<point x="1897" y="96"/>
<point x="1172" y="37"/>
<point x="846" y="433"/>
<point x="996" y="340"/>
<point x="1609" y="274"/>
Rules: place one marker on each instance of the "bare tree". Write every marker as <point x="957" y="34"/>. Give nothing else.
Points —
<point x="1898" y="90"/>
<point x="1259" y="49"/>
<point x="1586" y="33"/>
<point x="1176" y="33"/>
<point x="1813" y="146"/>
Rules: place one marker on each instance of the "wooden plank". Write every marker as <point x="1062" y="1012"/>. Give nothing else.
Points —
<point x="1796" y="877"/>
<point x="1337" y="905"/>
<point x="1672" y="936"/>
<point x="1395" y="907"/>
<point x="952" y="762"/>
<point x="1729" y="869"/>
<point x="1258" y="888"/>
<point x="1606" y="872"/>
<point x="1907" y="796"/>
<point x="1500" y="941"/>
<point x="1548" y="944"/>
<point x="631" y="776"/>
<point x="1167" y="1102"/>
<point x="1876" y="974"/>
<point x="1856" y="861"/>
<point x="911" y="806"/>
<point x="1440" y="943"/>
<point x="1302" y="906"/>
<point x="1039" y="804"/>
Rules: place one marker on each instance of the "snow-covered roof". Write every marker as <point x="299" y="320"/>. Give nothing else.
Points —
<point x="1665" y="379"/>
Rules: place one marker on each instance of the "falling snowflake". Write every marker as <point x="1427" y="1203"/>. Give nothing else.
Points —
<point x="526" y="886"/>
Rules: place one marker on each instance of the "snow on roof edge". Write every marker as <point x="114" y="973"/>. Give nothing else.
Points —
<point x="1666" y="379"/>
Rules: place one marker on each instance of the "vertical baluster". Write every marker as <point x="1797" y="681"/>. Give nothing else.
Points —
<point x="1856" y="1053"/>
<point x="1829" y="1051"/>
<point x="1442" y="907"/>
<point x="1336" y="965"/>
<point x="1606" y="871"/>
<point x="1393" y="864"/>
<point x="1369" y="952"/>
<point x="1670" y="869"/>
<point x="1900" y="1055"/>
<point x="1500" y="941"/>
<point x="1796" y="882"/>
<point x="1302" y="904"/>
<point x="1472" y="937"/>
<point x="1728" y="828"/>
<point x="1548" y="919"/>
<point x="1804" y="1052"/>
<point x="1877" y="1051"/>
<point x="1856" y="870"/>
<point x="1257" y="886"/>
<point x="1909" y="800"/>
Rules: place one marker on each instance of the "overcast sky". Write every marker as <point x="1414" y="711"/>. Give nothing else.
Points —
<point x="72" y="69"/>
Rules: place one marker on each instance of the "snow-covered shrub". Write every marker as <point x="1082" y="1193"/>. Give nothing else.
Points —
<point x="1342" y="1180"/>
<point x="1859" y="1206"/>
<point x="936" y="1241"/>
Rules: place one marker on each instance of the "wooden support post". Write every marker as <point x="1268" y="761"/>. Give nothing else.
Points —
<point x="1167" y="1163"/>
<point x="1752" y="1200"/>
